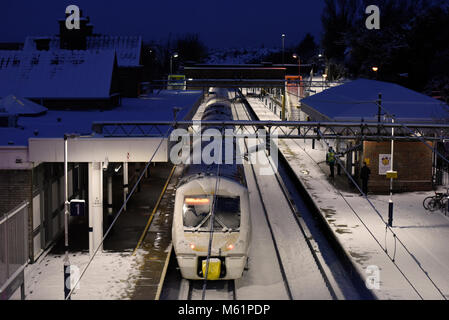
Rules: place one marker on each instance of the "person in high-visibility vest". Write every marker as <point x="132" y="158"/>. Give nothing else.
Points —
<point x="330" y="160"/>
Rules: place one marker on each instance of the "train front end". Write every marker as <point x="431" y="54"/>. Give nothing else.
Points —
<point x="192" y="225"/>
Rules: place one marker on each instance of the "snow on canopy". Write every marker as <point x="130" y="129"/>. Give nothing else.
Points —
<point x="20" y="106"/>
<point x="356" y="100"/>
<point x="56" y="74"/>
<point x="127" y="48"/>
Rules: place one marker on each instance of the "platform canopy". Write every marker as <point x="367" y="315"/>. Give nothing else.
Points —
<point x="356" y="100"/>
<point x="16" y="105"/>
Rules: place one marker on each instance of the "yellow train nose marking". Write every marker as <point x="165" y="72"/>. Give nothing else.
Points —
<point x="214" y="269"/>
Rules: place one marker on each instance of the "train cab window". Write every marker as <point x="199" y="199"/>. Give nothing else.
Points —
<point x="227" y="213"/>
<point x="195" y="210"/>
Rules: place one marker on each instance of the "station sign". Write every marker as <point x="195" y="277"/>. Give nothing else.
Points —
<point x="392" y="174"/>
<point x="77" y="208"/>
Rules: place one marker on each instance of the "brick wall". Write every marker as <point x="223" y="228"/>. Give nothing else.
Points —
<point x="412" y="161"/>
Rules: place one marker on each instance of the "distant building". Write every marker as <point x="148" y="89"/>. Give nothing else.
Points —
<point x="200" y="75"/>
<point x="128" y="51"/>
<point x="357" y="101"/>
<point x="11" y="45"/>
<point x="61" y="78"/>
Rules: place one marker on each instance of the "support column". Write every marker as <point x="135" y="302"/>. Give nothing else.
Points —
<point x="125" y="182"/>
<point x="95" y="206"/>
<point x="283" y="106"/>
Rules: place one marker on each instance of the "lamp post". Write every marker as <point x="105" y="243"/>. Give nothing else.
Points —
<point x="324" y="80"/>
<point x="295" y="56"/>
<point x="174" y="55"/>
<point x="283" y="47"/>
<point x="390" y="201"/>
<point x="67" y="284"/>
<point x="375" y="70"/>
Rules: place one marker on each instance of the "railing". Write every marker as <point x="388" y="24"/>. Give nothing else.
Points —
<point x="13" y="250"/>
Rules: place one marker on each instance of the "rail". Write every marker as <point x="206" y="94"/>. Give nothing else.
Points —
<point x="13" y="250"/>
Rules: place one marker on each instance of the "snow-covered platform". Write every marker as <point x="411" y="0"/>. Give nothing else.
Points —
<point x="412" y="257"/>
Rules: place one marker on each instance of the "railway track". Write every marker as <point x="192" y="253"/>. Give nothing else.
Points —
<point x="285" y="261"/>
<point x="335" y="265"/>
<point x="216" y="290"/>
<point x="307" y="245"/>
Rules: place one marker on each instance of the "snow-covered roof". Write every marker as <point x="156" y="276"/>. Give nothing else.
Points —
<point x="54" y="123"/>
<point x="127" y="48"/>
<point x="56" y="74"/>
<point x="356" y="99"/>
<point x="20" y="106"/>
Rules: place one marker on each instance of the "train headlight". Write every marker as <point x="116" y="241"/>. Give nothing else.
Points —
<point x="192" y="246"/>
<point x="230" y="246"/>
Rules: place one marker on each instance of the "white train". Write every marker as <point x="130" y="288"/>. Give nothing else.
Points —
<point x="197" y="193"/>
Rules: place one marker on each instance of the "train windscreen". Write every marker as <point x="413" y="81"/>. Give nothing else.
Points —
<point x="197" y="212"/>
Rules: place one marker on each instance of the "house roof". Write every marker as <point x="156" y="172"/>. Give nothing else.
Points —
<point x="356" y="100"/>
<point x="58" y="74"/>
<point x="15" y="105"/>
<point x="127" y="48"/>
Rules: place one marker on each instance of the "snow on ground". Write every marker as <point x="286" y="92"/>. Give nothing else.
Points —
<point x="363" y="234"/>
<point x="110" y="276"/>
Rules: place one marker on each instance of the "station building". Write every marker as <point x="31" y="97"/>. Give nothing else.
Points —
<point x="32" y="156"/>
<point x="417" y="165"/>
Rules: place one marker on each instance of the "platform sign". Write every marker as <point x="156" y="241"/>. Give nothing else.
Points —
<point x="176" y="82"/>
<point x="77" y="208"/>
<point x="384" y="164"/>
<point x="392" y="174"/>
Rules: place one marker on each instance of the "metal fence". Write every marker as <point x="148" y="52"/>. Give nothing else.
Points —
<point x="13" y="249"/>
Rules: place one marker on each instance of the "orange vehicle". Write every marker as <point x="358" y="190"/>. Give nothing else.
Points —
<point x="292" y="85"/>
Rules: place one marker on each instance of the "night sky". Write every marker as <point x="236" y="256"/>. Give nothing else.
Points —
<point x="231" y="23"/>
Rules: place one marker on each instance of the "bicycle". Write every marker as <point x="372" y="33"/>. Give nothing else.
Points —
<point x="438" y="201"/>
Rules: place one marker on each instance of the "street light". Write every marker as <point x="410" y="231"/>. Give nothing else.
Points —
<point x="174" y="55"/>
<point x="375" y="70"/>
<point x="295" y="56"/>
<point x="283" y="47"/>
<point x="324" y="80"/>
